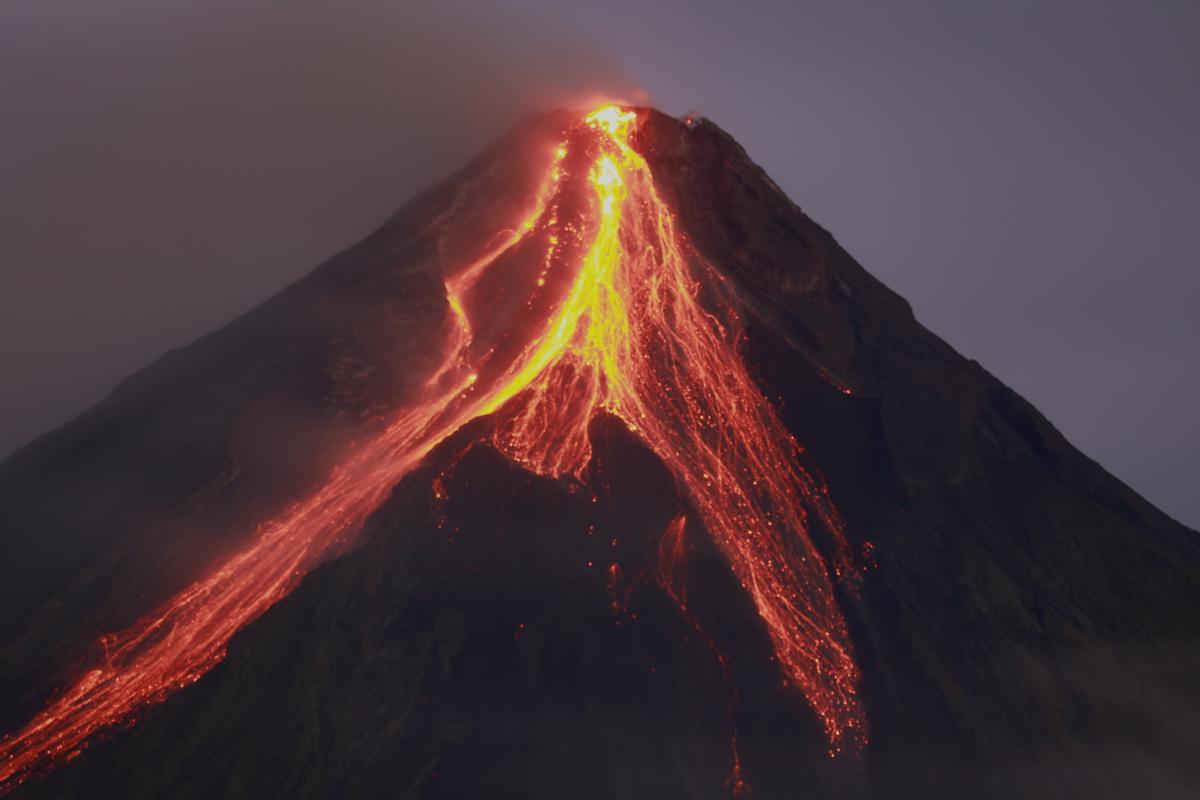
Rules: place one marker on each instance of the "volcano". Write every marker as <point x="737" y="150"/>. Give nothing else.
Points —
<point x="599" y="470"/>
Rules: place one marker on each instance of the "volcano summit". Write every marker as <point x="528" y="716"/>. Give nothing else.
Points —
<point x="599" y="470"/>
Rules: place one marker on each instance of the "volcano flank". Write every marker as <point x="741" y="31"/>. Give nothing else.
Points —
<point x="598" y="470"/>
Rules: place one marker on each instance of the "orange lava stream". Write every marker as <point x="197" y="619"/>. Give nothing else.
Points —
<point x="178" y="644"/>
<point x="633" y="339"/>
<point x="630" y="337"/>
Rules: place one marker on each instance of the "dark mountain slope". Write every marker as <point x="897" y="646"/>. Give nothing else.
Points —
<point x="1030" y="613"/>
<point x="1027" y="625"/>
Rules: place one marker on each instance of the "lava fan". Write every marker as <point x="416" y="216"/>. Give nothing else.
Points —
<point x="599" y="470"/>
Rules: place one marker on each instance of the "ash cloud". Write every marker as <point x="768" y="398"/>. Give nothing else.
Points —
<point x="168" y="166"/>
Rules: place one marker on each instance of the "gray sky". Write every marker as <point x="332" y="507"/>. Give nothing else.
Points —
<point x="1025" y="172"/>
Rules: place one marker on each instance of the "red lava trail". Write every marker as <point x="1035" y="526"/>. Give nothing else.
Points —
<point x="629" y="337"/>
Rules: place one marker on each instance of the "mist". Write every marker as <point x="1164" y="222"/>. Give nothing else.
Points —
<point x="166" y="166"/>
<point x="1023" y="173"/>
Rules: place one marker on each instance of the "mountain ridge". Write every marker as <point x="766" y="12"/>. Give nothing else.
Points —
<point x="999" y="552"/>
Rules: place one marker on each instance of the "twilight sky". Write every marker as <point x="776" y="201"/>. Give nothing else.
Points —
<point x="1025" y="172"/>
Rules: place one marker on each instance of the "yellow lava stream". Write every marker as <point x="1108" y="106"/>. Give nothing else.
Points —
<point x="630" y="337"/>
<point x="633" y="339"/>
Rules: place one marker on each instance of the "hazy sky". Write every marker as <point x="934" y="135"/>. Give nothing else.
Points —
<point x="1027" y="174"/>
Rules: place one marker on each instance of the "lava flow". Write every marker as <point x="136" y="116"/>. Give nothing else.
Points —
<point x="625" y="332"/>
<point x="632" y="338"/>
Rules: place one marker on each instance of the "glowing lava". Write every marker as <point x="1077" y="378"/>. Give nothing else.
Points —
<point x="632" y="339"/>
<point x="630" y="335"/>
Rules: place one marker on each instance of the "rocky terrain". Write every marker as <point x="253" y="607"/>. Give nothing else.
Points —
<point x="1026" y="626"/>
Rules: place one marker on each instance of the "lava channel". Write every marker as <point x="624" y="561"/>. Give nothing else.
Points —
<point x="626" y="334"/>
